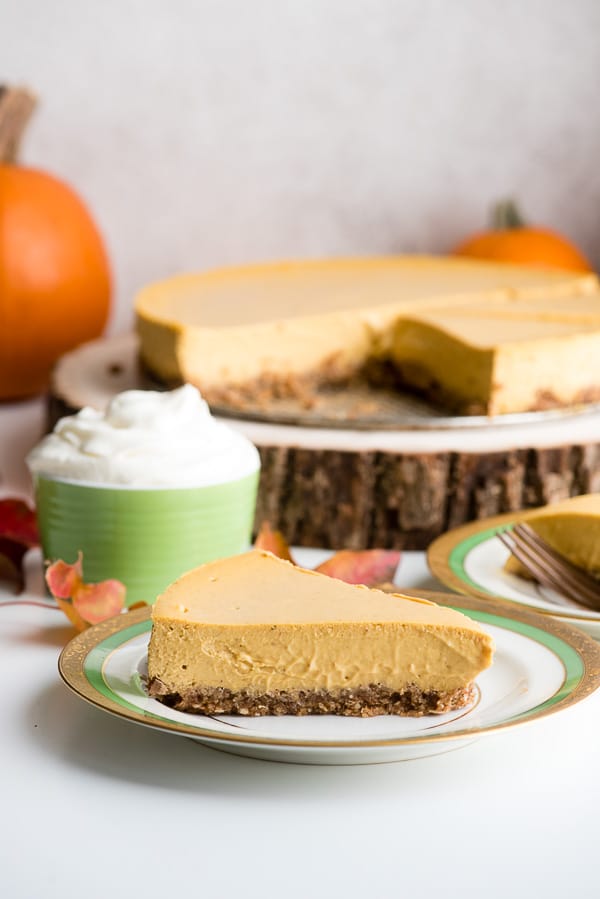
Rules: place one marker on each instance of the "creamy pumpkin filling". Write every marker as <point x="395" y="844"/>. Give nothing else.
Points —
<point x="267" y="632"/>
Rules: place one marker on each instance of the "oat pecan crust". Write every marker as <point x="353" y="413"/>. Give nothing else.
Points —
<point x="363" y="702"/>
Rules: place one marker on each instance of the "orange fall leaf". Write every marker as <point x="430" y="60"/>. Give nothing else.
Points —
<point x="273" y="541"/>
<point x="83" y="604"/>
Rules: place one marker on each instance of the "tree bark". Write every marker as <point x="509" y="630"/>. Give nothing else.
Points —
<point x="359" y="500"/>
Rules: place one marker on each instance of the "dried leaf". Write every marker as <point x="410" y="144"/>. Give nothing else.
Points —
<point x="82" y="603"/>
<point x="95" y="602"/>
<point x="66" y="606"/>
<point x="369" y="566"/>
<point x="11" y="562"/>
<point x="18" y="533"/>
<point x="18" y="522"/>
<point x="63" y="578"/>
<point x="273" y="541"/>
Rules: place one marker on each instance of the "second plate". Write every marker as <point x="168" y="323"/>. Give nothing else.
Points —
<point x="470" y="559"/>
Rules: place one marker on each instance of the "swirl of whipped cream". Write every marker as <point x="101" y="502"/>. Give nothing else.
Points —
<point x="145" y="439"/>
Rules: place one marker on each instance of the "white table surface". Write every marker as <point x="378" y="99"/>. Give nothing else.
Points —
<point x="95" y="806"/>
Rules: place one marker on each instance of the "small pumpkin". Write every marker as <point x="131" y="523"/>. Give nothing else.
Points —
<point x="55" y="282"/>
<point x="510" y="239"/>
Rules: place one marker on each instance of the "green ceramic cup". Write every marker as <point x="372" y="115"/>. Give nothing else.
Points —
<point x="145" y="538"/>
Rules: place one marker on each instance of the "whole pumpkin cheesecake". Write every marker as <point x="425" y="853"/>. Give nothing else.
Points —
<point x="256" y="635"/>
<point x="286" y="329"/>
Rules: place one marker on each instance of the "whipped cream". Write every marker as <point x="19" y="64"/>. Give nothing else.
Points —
<point x="145" y="439"/>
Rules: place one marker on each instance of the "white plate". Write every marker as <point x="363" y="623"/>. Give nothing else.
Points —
<point x="471" y="559"/>
<point x="539" y="668"/>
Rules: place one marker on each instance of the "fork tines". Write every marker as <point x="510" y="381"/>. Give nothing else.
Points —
<point x="550" y="568"/>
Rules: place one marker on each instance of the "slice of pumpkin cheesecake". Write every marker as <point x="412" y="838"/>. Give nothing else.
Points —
<point x="571" y="527"/>
<point x="256" y="635"/>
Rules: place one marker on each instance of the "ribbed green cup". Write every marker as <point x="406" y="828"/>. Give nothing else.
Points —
<point x="144" y="538"/>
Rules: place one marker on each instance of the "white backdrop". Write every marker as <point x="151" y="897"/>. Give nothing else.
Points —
<point x="224" y="131"/>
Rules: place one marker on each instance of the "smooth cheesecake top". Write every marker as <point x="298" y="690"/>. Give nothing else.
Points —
<point x="279" y="291"/>
<point x="588" y="504"/>
<point x="494" y="329"/>
<point x="257" y="588"/>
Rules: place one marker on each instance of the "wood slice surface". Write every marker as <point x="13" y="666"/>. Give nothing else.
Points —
<point x="360" y="488"/>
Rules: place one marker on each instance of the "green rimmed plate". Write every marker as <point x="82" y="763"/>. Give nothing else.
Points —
<point x="470" y="559"/>
<point x="540" y="667"/>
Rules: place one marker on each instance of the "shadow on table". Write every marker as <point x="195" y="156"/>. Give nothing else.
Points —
<point x="57" y="635"/>
<point x="88" y="738"/>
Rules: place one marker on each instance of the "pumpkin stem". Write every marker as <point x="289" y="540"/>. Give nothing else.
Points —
<point x="16" y="107"/>
<point x="506" y="216"/>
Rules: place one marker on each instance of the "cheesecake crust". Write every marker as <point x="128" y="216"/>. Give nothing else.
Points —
<point x="378" y="373"/>
<point x="263" y="390"/>
<point x="363" y="702"/>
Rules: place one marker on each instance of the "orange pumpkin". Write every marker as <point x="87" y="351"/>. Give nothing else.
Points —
<point x="511" y="240"/>
<point x="55" y="282"/>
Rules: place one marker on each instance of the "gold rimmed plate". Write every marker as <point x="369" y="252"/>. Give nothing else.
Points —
<point x="470" y="559"/>
<point x="540" y="667"/>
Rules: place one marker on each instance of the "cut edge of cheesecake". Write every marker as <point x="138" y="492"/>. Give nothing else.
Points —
<point x="498" y="364"/>
<point x="257" y="635"/>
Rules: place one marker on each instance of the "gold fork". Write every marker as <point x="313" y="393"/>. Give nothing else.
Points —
<point x="550" y="568"/>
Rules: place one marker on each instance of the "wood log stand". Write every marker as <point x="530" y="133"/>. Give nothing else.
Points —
<point x="405" y="500"/>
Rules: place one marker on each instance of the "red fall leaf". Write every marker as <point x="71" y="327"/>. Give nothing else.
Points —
<point x="18" y="533"/>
